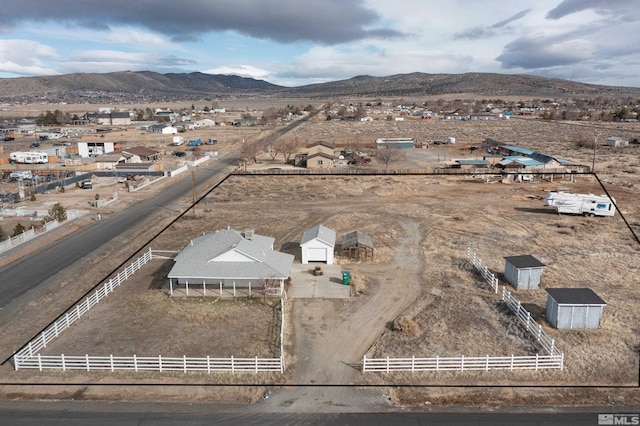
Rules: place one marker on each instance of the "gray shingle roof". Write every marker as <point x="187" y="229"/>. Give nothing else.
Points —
<point x="226" y="254"/>
<point x="524" y="261"/>
<point x="575" y="296"/>
<point x="320" y="232"/>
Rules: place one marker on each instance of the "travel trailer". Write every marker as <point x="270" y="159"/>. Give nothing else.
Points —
<point x="21" y="175"/>
<point x="29" y="157"/>
<point x="584" y="204"/>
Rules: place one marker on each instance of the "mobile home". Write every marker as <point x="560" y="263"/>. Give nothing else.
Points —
<point x="29" y="157"/>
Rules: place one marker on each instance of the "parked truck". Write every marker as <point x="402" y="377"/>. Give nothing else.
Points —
<point x="584" y="204"/>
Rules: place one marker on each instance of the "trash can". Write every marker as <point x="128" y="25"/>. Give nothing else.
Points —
<point x="346" y="277"/>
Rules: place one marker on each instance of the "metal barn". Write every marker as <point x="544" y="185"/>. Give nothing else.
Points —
<point x="574" y="308"/>
<point x="523" y="272"/>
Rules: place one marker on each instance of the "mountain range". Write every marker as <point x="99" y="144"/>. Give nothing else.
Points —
<point x="128" y="85"/>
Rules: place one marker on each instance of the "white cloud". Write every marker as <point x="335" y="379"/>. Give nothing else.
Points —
<point x="26" y="57"/>
<point x="242" y="71"/>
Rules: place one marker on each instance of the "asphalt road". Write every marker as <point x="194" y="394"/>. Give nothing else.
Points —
<point x="173" y="414"/>
<point x="20" y="277"/>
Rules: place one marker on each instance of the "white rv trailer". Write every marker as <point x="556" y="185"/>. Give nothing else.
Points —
<point x="29" y="157"/>
<point x="584" y="204"/>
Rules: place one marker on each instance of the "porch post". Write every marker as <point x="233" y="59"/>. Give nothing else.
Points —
<point x="170" y="287"/>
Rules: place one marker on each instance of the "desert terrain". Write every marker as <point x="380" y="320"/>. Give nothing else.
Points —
<point x="421" y="227"/>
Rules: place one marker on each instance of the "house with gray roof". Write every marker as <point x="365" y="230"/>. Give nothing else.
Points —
<point x="317" y="245"/>
<point x="231" y="259"/>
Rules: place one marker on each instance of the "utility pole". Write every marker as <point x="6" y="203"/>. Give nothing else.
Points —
<point x="244" y="154"/>
<point x="193" y="189"/>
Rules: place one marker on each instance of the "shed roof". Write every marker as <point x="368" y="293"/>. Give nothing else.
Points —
<point x="518" y="149"/>
<point x="524" y="261"/>
<point x="525" y="161"/>
<point x="320" y="232"/>
<point x="323" y="143"/>
<point x="357" y="237"/>
<point x="142" y="151"/>
<point x="467" y="162"/>
<point x="575" y="296"/>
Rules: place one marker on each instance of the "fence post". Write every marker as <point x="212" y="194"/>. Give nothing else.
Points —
<point x="487" y="364"/>
<point x="39" y="362"/>
<point x="536" y="362"/>
<point x="511" y="366"/>
<point x="160" y="363"/>
<point x="437" y="363"/>
<point x="364" y="363"/>
<point x="528" y="319"/>
<point x="86" y="357"/>
<point x="561" y="361"/>
<point x="462" y="363"/>
<point x="135" y="363"/>
<point x="256" y="359"/>
<point x="111" y="361"/>
<point x="44" y="341"/>
<point x="55" y="328"/>
<point x="233" y="365"/>
<point x="413" y="363"/>
<point x="208" y="365"/>
<point x="184" y="363"/>
<point x="387" y="363"/>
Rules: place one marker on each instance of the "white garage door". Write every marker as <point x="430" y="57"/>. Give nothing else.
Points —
<point x="317" y="254"/>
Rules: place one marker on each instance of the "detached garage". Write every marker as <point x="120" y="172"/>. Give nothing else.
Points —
<point x="317" y="245"/>
<point x="574" y="308"/>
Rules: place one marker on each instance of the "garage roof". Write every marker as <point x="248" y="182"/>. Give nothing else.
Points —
<point x="319" y="232"/>
<point x="575" y="296"/>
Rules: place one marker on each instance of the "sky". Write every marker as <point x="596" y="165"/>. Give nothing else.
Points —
<point x="298" y="42"/>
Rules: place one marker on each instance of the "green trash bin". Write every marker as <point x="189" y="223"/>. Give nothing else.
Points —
<point x="346" y="278"/>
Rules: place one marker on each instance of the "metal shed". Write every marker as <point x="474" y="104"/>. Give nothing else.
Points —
<point x="574" y="308"/>
<point x="523" y="272"/>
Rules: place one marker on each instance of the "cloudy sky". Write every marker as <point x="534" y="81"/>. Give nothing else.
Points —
<point x="296" y="42"/>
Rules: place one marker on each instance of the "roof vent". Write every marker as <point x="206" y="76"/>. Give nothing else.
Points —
<point x="248" y="233"/>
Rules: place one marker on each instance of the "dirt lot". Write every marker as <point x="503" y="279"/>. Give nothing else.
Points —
<point x="421" y="227"/>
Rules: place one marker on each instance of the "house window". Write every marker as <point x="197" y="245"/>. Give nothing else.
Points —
<point x="319" y="162"/>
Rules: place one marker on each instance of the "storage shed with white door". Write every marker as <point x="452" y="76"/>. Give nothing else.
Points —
<point x="523" y="272"/>
<point x="317" y="245"/>
<point x="574" y="308"/>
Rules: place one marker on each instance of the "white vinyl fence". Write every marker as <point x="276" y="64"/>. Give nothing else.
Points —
<point x="462" y="363"/>
<point x="551" y="359"/>
<point x="30" y="358"/>
<point x="30" y="234"/>
<point x="483" y="270"/>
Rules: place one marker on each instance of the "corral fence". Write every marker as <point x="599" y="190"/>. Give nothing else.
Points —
<point x="29" y="356"/>
<point x="483" y="270"/>
<point x="551" y="359"/>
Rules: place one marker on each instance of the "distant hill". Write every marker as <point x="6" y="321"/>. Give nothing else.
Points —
<point x="141" y="85"/>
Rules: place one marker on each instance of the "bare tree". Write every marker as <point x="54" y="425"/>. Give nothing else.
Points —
<point x="289" y="146"/>
<point x="274" y="147"/>
<point x="388" y="155"/>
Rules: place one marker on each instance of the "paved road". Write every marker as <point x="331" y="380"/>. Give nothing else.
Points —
<point x="173" y="414"/>
<point x="20" y="277"/>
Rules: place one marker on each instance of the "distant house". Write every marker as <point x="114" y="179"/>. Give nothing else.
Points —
<point x="109" y="161"/>
<point x="320" y="160"/>
<point x="320" y="146"/>
<point x="317" y="245"/>
<point x="133" y="168"/>
<point x="169" y="130"/>
<point x="231" y="259"/>
<point x="357" y="245"/>
<point x="204" y="122"/>
<point x="574" y="308"/>
<point x="144" y="153"/>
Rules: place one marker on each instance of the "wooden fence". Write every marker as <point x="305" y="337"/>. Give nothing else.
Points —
<point x="29" y="356"/>
<point x="462" y="363"/>
<point x="483" y="270"/>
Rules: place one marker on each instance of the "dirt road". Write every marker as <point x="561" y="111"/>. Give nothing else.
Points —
<point x="331" y="337"/>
